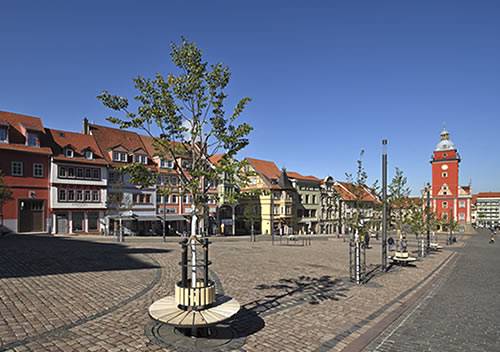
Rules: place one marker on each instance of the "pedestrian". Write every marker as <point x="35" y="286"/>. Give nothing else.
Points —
<point x="390" y="242"/>
<point x="492" y="238"/>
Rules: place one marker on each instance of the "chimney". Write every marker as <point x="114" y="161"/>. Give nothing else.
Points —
<point x="86" y="129"/>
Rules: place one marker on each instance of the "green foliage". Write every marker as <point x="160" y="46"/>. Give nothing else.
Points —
<point x="357" y="222"/>
<point x="398" y="197"/>
<point x="185" y="114"/>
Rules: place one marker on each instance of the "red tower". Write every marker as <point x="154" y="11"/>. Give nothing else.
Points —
<point x="449" y="200"/>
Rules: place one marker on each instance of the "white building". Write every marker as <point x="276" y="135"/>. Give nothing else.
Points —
<point x="78" y="181"/>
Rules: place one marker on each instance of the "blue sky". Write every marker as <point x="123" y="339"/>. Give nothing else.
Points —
<point x="327" y="78"/>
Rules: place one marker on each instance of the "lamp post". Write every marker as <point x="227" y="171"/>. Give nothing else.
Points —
<point x="384" y="206"/>
<point x="428" y="217"/>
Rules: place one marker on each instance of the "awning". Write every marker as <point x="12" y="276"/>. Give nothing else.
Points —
<point x="172" y="217"/>
<point x="146" y="218"/>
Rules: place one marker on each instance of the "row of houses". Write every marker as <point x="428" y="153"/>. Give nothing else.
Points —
<point x="68" y="182"/>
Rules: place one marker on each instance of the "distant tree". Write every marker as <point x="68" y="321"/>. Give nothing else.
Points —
<point x="185" y="114"/>
<point x="5" y="195"/>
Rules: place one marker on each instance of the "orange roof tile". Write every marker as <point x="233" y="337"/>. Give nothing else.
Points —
<point x="487" y="195"/>
<point x="79" y="142"/>
<point x="108" y="138"/>
<point x="265" y="168"/>
<point x="296" y="175"/>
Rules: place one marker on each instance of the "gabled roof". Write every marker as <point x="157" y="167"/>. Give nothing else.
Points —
<point x="107" y="138"/>
<point x="350" y="192"/>
<point x="297" y="176"/>
<point x="18" y="124"/>
<point x="79" y="142"/>
<point x="283" y="181"/>
<point x="216" y="158"/>
<point x="265" y="168"/>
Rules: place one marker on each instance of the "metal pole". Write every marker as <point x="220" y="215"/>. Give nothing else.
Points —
<point x="384" y="206"/>
<point x="164" y="218"/>
<point x="428" y="218"/>
<point x="184" y="263"/>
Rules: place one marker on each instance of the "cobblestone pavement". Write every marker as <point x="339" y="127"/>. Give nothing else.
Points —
<point x="461" y="311"/>
<point x="70" y="294"/>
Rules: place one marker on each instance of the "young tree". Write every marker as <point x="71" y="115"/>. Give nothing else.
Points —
<point x="417" y="224"/>
<point x="185" y="114"/>
<point x="398" y="199"/>
<point x="5" y="195"/>
<point x="357" y="222"/>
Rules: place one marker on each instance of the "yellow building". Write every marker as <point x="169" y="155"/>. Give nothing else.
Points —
<point x="276" y="198"/>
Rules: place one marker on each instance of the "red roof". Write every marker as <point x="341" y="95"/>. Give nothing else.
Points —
<point x="108" y="138"/>
<point x="78" y="142"/>
<point x="297" y="176"/>
<point x="487" y="195"/>
<point x="18" y="124"/>
<point x="216" y="158"/>
<point x="350" y="192"/>
<point x="265" y="168"/>
<point x="19" y="121"/>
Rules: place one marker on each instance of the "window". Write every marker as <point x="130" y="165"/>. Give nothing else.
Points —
<point x="88" y="173"/>
<point x="313" y="199"/>
<point x="307" y="199"/>
<point x="445" y="155"/>
<point x="147" y="198"/>
<point x="16" y="168"/>
<point x="62" y="171"/>
<point x="461" y="216"/>
<point x="87" y="196"/>
<point x="88" y="154"/>
<point x="96" y="174"/>
<point x="62" y="195"/>
<point x="4" y="136"/>
<point x="445" y="205"/>
<point x="120" y="156"/>
<point x="186" y="199"/>
<point x="95" y="196"/>
<point x="79" y="172"/>
<point x="461" y="204"/>
<point x="37" y="170"/>
<point x="173" y="180"/>
<point x="71" y="195"/>
<point x="140" y="158"/>
<point x="444" y="174"/>
<point x="32" y="140"/>
<point x="167" y="164"/>
<point x="69" y="153"/>
<point x="71" y="172"/>
<point x="79" y="196"/>
<point x="173" y="199"/>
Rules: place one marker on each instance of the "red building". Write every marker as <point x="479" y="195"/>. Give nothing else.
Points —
<point x="24" y="162"/>
<point x="449" y="199"/>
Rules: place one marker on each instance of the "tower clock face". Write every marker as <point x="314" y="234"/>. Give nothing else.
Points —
<point x="444" y="167"/>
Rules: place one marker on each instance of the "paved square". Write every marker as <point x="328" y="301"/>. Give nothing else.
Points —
<point x="60" y="294"/>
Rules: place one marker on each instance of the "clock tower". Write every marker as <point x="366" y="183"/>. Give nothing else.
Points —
<point x="449" y="200"/>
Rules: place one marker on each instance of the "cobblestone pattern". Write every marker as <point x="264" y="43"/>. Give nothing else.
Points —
<point x="459" y="314"/>
<point x="301" y="293"/>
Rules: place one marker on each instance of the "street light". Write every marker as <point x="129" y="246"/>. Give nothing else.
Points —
<point x="428" y="217"/>
<point x="384" y="206"/>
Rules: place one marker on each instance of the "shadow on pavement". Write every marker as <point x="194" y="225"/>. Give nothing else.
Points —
<point x="34" y="255"/>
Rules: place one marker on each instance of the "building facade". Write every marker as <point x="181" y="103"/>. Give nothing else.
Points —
<point x="308" y="189"/>
<point x="487" y="209"/>
<point x="129" y="206"/>
<point x="78" y="183"/>
<point x="24" y="161"/>
<point x="449" y="200"/>
<point x="329" y="206"/>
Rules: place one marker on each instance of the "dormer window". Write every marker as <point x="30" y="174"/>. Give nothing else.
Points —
<point x="32" y="139"/>
<point x="120" y="156"/>
<point x="69" y="153"/>
<point x="89" y="155"/>
<point x="139" y="158"/>
<point x="166" y="164"/>
<point x="4" y="135"/>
